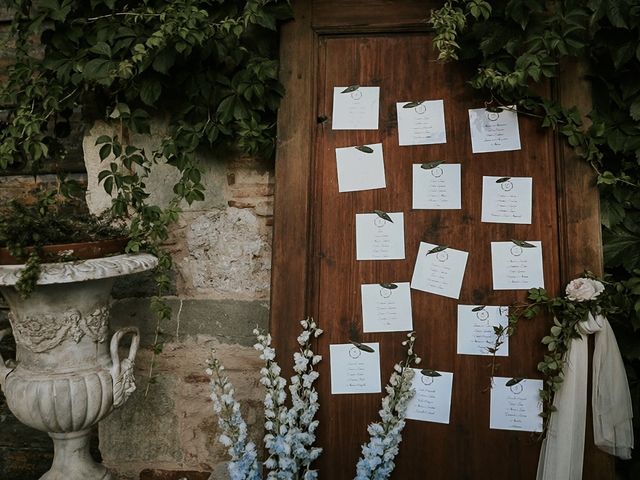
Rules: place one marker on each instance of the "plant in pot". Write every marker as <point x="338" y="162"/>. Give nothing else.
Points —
<point x="206" y="70"/>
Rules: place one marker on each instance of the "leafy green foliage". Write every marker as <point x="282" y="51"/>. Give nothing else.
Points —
<point x="209" y="65"/>
<point x="206" y="68"/>
<point x="49" y="218"/>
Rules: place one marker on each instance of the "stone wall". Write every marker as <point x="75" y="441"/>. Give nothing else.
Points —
<point x="222" y="253"/>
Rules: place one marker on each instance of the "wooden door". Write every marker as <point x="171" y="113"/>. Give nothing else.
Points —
<point x="315" y="268"/>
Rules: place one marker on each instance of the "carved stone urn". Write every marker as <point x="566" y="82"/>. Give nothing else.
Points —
<point x="68" y="374"/>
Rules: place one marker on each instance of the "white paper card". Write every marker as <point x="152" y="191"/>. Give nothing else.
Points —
<point x="357" y="110"/>
<point x="354" y="370"/>
<point x="422" y="124"/>
<point x="358" y="170"/>
<point x="432" y="401"/>
<point x="507" y="199"/>
<point x="517" y="407"/>
<point x="379" y="239"/>
<point x="475" y="330"/>
<point x="515" y="267"/>
<point x="437" y="188"/>
<point x="440" y="273"/>
<point x="494" y="131"/>
<point x="386" y="309"/>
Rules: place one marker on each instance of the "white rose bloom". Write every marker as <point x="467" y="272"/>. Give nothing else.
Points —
<point x="584" y="289"/>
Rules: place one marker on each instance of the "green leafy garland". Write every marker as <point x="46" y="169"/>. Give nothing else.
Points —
<point x="567" y="313"/>
<point x="205" y="68"/>
<point x="516" y="45"/>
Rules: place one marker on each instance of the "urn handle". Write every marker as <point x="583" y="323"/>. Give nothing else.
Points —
<point x="124" y="383"/>
<point x="4" y="370"/>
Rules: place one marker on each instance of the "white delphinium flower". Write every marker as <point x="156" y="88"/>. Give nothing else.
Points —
<point x="376" y="462"/>
<point x="244" y="459"/>
<point x="304" y="403"/>
<point x="291" y="431"/>
<point x="276" y="439"/>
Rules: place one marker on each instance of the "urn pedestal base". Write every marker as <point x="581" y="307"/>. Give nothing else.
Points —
<point x="72" y="460"/>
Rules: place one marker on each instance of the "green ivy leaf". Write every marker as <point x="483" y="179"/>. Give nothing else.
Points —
<point x="97" y="69"/>
<point x="150" y="91"/>
<point x="108" y="185"/>
<point x="164" y="60"/>
<point x="101" y="48"/>
<point x="105" y="151"/>
<point x="103" y="139"/>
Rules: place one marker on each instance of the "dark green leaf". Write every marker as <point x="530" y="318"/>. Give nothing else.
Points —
<point x="101" y="48"/>
<point x="350" y="89"/>
<point x="513" y="381"/>
<point x="150" y="91"/>
<point x="430" y="165"/>
<point x="430" y="373"/>
<point x="103" y="139"/>
<point x="362" y="346"/>
<point x="437" y="249"/>
<point x="97" y="69"/>
<point x="503" y="179"/>
<point x="105" y="151"/>
<point x="164" y="60"/>
<point x="412" y="104"/>
<point x="364" y="149"/>
<point x="108" y="185"/>
<point x="383" y="215"/>
<point x="477" y="309"/>
<point x="389" y="286"/>
<point x="523" y="244"/>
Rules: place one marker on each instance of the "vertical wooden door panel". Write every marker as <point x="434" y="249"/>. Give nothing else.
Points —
<point x="404" y="67"/>
<point x="314" y="266"/>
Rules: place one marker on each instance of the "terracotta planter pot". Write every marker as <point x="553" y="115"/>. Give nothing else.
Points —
<point x="78" y="251"/>
<point x="69" y="376"/>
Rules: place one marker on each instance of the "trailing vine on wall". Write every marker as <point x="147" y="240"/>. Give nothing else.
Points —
<point x="206" y="68"/>
<point x="517" y="44"/>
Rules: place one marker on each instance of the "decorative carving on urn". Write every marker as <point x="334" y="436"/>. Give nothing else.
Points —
<point x="40" y="333"/>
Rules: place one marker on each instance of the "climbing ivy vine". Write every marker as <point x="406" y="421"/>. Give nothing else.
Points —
<point x="517" y="44"/>
<point x="205" y="69"/>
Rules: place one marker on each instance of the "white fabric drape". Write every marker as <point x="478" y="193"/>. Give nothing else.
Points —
<point x="561" y="456"/>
